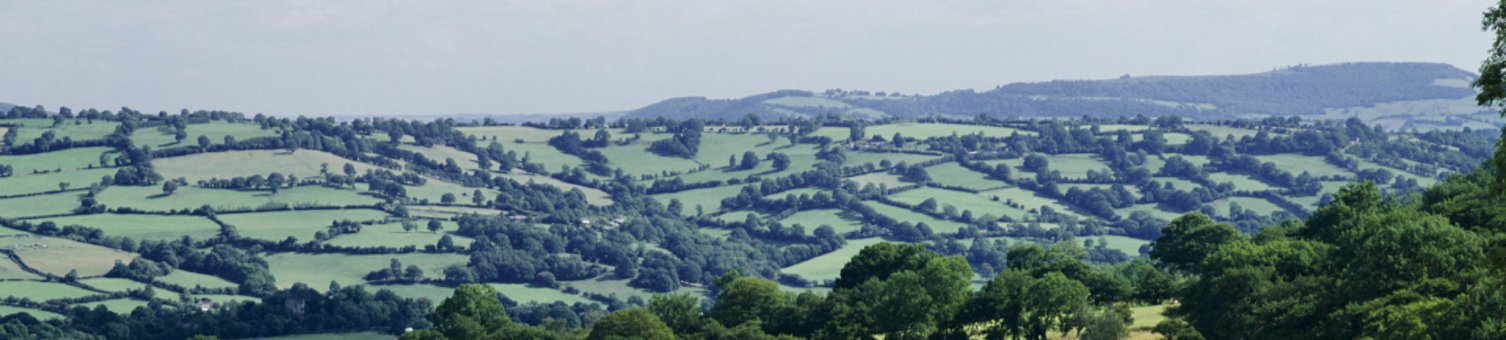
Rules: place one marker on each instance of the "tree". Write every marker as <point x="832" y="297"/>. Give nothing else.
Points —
<point x="180" y="136"/>
<point x="681" y="312"/>
<point x="168" y="187"/>
<point x="204" y="142"/>
<point x="435" y="226"/>
<point x="275" y="181"/>
<point x="63" y="186"/>
<point x="750" y="161"/>
<point x="781" y="161"/>
<point x="72" y="275"/>
<point x="636" y="323"/>
<point x="409" y="226"/>
<point x="745" y="299"/>
<point x="478" y="197"/>
<point x="1188" y="239"/>
<point x="471" y="313"/>
<point x="447" y="198"/>
<point x="349" y="170"/>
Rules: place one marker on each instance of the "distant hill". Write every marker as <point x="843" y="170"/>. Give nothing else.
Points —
<point x="6" y="106"/>
<point x="1372" y="91"/>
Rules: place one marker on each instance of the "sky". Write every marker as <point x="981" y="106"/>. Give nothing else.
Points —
<point x="345" y="58"/>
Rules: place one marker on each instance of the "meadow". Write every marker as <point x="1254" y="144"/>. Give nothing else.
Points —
<point x="143" y="227"/>
<point x="58" y="256"/>
<point x="228" y="164"/>
<point x="812" y="219"/>
<point x="827" y="266"/>
<point x="318" y="270"/>
<point x="302" y="224"/>
<point x="153" y="199"/>
<point x="393" y="235"/>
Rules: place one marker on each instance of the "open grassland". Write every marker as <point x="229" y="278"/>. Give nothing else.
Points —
<point x="524" y="294"/>
<point x="1176" y="138"/>
<point x="333" y="336"/>
<point x="41" y="291"/>
<point x="906" y="215"/>
<point x="9" y="270"/>
<point x="48" y="182"/>
<point x="1025" y="198"/>
<point x="119" y="306"/>
<point x="1075" y="165"/>
<point x="508" y="134"/>
<point x="74" y="129"/>
<point x="1178" y="183"/>
<point x="39" y="205"/>
<point x="113" y="285"/>
<point x="1223" y="131"/>
<point x="228" y="164"/>
<point x="70" y="159"/>
<point x="317" y="270"/>
<point x="802" y="158"/>
<point x="445" y="211"/>
<point x="953" y="174"/>
<point x="222" y="299"/>
<point x="710" y="199"/>
<point x="1258" y="205"/>
<point x="279" y="225"/>
<point x="1105" y="128"/>
<point x="57" y="256"/>
<point x="1148" y="208"/>
<point x="143" y="227"/>
<point x="393" y="235"/>
<point x="189" y="279"/>
<point x="618" y="287"/>
<point x="1296" y="163"/>
<point x="1241" y="182"/>
<point x="829" y="266"/>
<point x="1329" y="187"/>
<point x="740" y="215"/>
<point x="1129" y="245"/>
<point x="1146" y="317"/>
<point x="151" y="198"/>
<point x="434" y="190"/>
<point x="878" y="179"/>
<point x="928" y="130"/>
<point x="163" y="136"/>
<point x="439" y="153"/>
<point x="812" y="219"/>
<point x="635" y="159"/>
<point x="435" y="293"/>
<point x="36" y="313"/>
<point x="1399" y="174"/>
<point x="963" y="201"/>
<point x="855" y="158"/>
<point x="593" y="195"/>
<point x="550" y="158"/>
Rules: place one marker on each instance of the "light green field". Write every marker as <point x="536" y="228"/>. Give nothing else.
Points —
<point x="40" y="205"/>
<point x="878" y="179"/>
<point x="1154" y="164"/>
<point x="439" y="153"/>
<point x="708" y="198"/>
<point x="143" y="227"/>
<point x="812" y="219"/>
<point x="829" y="266"/>
<point x="593" y="195"/>
<point x="637" y="160"/>
<point x="119" y="306"/>
<point x="317" y="270"/>
<point x="9" y="270"/>
<point x="189" y="279"/>
<point x="29" y="184"/>
<point x="928" y="130"/>
<point x="816" y="102"/>
<point x="150" y="198"/>
<point x="56" y="256"/>
<point x="36" y="313"/>
<point x="393" y="235"/>
<point x="1149" y="208"/>
<point x="162" y="136"/>
<point x="964" y="201"/>
<point x="1075" y="165"/>
<point x="332" y="336"/>
<point x="1258" y="205"/>
<point x="1146" y="317"/>
<point x="1015" y="165"/>
<point x="855" y="158"/>
<point x="220" y="299"/>
<point x="443" y="212"/>
<point x="435" y="293"/>
<point x="797" y="192"/>
<point x="1178" y="183"/>
<point x="113" y="285"/>
<point x="802" y="158"/>
<point x="228" y="164"/>
<point x="1421" y="180"/>
<point x="1329" y="187"/>
<point x="720" y="234"/>
<point x="1026" y="198"/>
<point x="434" y="190"/>
<point x="278" y="225"/>
<point x="1298" y="163"/>
<point x="740" y="215"/>
<point x="33" y="128"/>
<point x="543" y="154"/>
<point x="524" y="294"/>
<point x="619" y="287"/>
<point x="1176" y="138"/>
<point x="1105" y="128"/>
<point x="41" y="291"/>
<point x="507" y="134"/>
<point x="70" y="159"/>
<point x="954" y="174"/>
<point x="1223" y="131"/>
<point x="938" y="226"/>
<point x="1241" y="182"/>
<point x="1129" y="245"/>
<point x="1200" y="160"/>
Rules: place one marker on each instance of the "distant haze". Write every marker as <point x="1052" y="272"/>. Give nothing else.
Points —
<point x="444" y="57"/>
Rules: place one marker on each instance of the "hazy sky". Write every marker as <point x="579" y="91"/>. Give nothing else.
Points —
<point x="439" y="57"/>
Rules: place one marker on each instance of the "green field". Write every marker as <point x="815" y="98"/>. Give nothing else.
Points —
<point x="9" y="270"/>
<point x="36" y="313"/>
<point x="855" y="158"/>
<point x="189" y="279"/>
<point x="225" y="165"/>
<point x="439" y="153"/>
<point x="66" y="160"/>
<point x="878" y="179"/>
<point x="332" y="336"/>
<point x="739" y="215"/>
<point x="76" y="130"/>
<point x="317" y="270"/>
<point x="937" y="225"/>
<point x="41" y="291"/>
<point x="119" y="306"/>
<point x="1223" y="131"/>
<point x="617" y="287"/>
<point x="1076" y="165"/>
<point x="279" y="225"/>
<point x="57" y="256"/>
<point x="435" y="293"/>
<point x="829" y="265"/>
<point x="224" y="299"/>
<point x="1025" y="198"/>
<point x="543" y="154"/>
<point x="710" y="199"/>
<point x="162" y="136"/>
<point x="963" y="201"/>
<point x="433" y="190"/>
<point x="507" y="134"/>
<point x="393" y="235"/>
<point x="30" y="184"/>
<point x="1129" y="245"/>
<point x="151" y="198"/>
<point x="928" y="130"/>
<point x="112" y="285"/>
<point x="593" y="195"/>
<point x="812" y="219"/>
<point x="39" y="205"/>
<point x="953" y="174"/>
<point x="1243" y="182"/>
<point x="523" y="293"/>
<point x="1312" y="164"/>
<point x="1258" y="205"/>
<point x="143" y="227"/>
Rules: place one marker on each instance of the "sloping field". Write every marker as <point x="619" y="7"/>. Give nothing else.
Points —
<point x="228" y="164"/>
<point x="151" y="198"/>
<point x="829" y="266"/>
<point x="57" y="256"/>
<point x="317" y="270"/>
<point x="143" y="227"/>
<point x="70" y="159"/>
<point x="279" y="225"/>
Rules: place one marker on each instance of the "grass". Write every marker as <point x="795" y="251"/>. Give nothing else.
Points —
<point x="143" y="227"/>
<point x="1298" y="163"/>
<point x="40" y="205"/>
<point x="828" y="266"/>
<point x="906" y="215"/>
<point x="1129" y="245"/>
<point x="41" y="291"/>
<point x="855" y="158"/>
<point x="507" y="134"/>
<point x="119" y="306"/>
<point x="332" y="336"/>
<point x="57" y="256"/>
<point x="1025" y="198"/>
<point x="635" y="159"/>
<point x="797" y="192"/>
<point x="162" y="136"/>
<point x="189" y="279"/>
<point x="618" y="287"/>
<point x="393" y="235"/>
<point x="221" y="299"/>
<point x="1146" y="317"/>
<point x="593" y="195"/>
<point x="964" y="201"/>
<point x="543" y="154"/>
<point x="1178" y="183"/>
<point x="812" y="219"/>
<point x="434" y="190"/>
<point x="1075" y="165"/>
<point x="150" y="198"/>
<point x="30" y="184"/>
<point x="1399" y="174"/>
<point x="435" y="293"/>
<point x="445" y="211"/>
<point x="953" y="174"/>
<point x="439" y="153"/>
<point x="9" y="270"/>
<point x="928" y="130"/>
<point x="113" y="285"/>
<point x="83" y="130"/>
<point x="36" y="313"/>
<point x="1149" y="208"/>
<point x="710" y="199"/>
<point x="279" y="225"/>
<point x="1258" y="205"/>
<point x="1241" y="182"/>
<point x="317" y="270"/>
<point x="229" y="164"/>
<point x="739" y="215"/>
<point x="1223" y="131"/>
<point x="69" y="159"/>
<point x="523" y="293"/>
<point x="878" y="179"/>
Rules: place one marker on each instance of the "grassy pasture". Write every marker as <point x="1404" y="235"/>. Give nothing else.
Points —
<point x="1178" y="183"/>
<point x="635" y="159"/>
<point x="393" y="235"/>
<point x="434" y="190"/>
<point x="593" y="195"/>
<point x="36" y="313"/>
<point x="1149" y="208"/>
<point x="1312" y="164"/>
<point x="1258" y="205"/>
<point x="797" y="192"/>
<point x="1129" y="245"/>
<point x="317" y="270"/>
<point x="1241" y="182"/>
<point x="41" y="291"/>
<point x="906" y="215"/>
<point x="928" y="130"/>
<point x="1075" y="165"/>
<point x="619" y="287"/>
<point x="1421" y="180"/>
<point x="741" y="215"/>
<point x="221" y="299"/>
<point x="441" y="211"/>
<point x="716" y="233"/>
<point x="143" y="227"/>
<point x="1105" y="128"/>
<point x="278" y="225"/>
<point x="150" y="198"/>
<point x="467" y="161"/>
<point x="333" y="336"/>
<point x="815" y="102"/>
<point x="523" y="293"/>
<point x="1176" y="138"/>
<point x="507" y="134"/>
<point x="77" y="130"/>
<point x="1026" y="198"/>
<point x="708" y="198"/>
<point x="860" y="157"/>
<point x="40" y="205"/>
<point x="811" y="219"/>
<point x="70" y="159"/>
<point x="9" y="270"/>
<point x="189" y="279"/>
<point x="119" y="306"/>
<point x="1223" y="131"/>
<point x="954" y="174"/>
<point x="30" y="184"/>
<point x="228" y="164"/>
<point x="435" y="293"/>
<point x="110" y="284"/>
<point x="56" y="256"/>
<point x="162" y="136"/>
<point x="878" y="179"/>
<point x="543" y="154"/>
<point x="829" y="266"/>
<point x="802" y="158"/>
<point x="964" y="201"/>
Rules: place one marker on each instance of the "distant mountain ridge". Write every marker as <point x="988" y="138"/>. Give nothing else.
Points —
<point x="1299" y="90"/>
